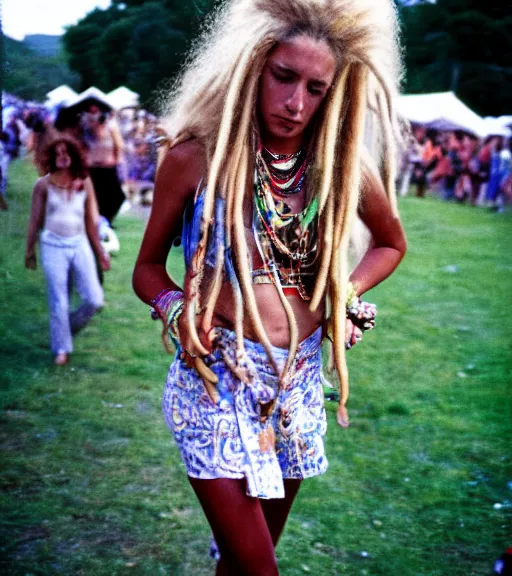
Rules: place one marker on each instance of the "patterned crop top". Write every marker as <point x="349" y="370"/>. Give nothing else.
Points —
<point x="273" y="262"/>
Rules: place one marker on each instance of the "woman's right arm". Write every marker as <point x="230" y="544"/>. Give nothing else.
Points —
<point x="36" y="222"/>
<point x="176" y="183"/>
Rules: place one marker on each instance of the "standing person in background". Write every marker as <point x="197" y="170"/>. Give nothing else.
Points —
<point x="10" y="150"/>
<point x="418" y="172"/>
<point x="65" y="213"/>
<point x="266" y="172"/>
<point x="473" y="170"/>
<point x="453" y="165"/>
<point x="484" y="168"/>
<point x="4" y="166"/>
<point x="463" y="186"/>
<point x="498" y="173"/>
<point x="35" y="121"/>
<point x="505" y="170"/>
<point x="104" y="149"/>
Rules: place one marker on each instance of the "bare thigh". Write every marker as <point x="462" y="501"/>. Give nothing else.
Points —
<point x="246" y="529"/>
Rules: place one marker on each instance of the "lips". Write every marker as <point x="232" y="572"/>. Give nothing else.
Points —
<point x="288" y="121"/>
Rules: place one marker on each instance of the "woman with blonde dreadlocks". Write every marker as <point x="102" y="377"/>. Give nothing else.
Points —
<point x="264" y="174"/>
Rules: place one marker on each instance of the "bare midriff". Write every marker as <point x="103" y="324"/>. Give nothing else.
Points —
<point x="271" y="311"/>
<point x="272" y="314"/>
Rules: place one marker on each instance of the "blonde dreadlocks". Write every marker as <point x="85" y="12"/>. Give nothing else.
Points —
<point x="214" y="101"/>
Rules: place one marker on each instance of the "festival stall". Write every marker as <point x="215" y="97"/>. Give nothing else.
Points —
<point x="123" y="97"/>
<point x="62" y="95"/>
<point x="442" y="111"/>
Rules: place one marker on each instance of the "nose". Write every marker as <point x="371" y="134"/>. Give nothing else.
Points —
<point x="295" y="103"/>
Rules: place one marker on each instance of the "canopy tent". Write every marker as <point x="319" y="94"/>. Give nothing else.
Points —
<point x="61" y="95"/>
<point x="91" y="96"/>
<point x="497" y="127"/>
<point x="123" y="97"/>
<point x="442" y="111"/>
<point x="70" y="114"/>
<point x="506" y="121"/>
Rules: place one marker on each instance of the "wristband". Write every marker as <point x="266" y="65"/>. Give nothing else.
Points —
<point x="362" y="314"/>
<point x="173" y="317"/>
<point x="168" y="306"/>
<point x="163" y="302"/>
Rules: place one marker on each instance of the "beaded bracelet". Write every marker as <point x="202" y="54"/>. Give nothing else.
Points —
<point x="173" y="317"/>
<point x="168" y="306"/>
<point x="361" y="314"/>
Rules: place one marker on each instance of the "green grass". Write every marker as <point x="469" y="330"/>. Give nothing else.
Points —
<point x="92" y="482"/>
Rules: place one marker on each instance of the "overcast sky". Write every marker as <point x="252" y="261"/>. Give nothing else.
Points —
<point x="22" y="17"/>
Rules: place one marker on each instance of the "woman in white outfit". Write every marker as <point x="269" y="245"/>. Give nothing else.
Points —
<point x="65" y="212"/>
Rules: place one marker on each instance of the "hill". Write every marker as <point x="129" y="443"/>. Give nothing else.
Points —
<point x="31" y="75"/>
<point x="43" y="44"/>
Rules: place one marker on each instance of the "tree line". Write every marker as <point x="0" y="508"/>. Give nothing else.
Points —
<point x="459" y="45"/>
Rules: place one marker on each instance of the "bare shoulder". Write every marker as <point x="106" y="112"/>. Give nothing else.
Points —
<point x="183" y="167"/>
<point x="41" y="186"/>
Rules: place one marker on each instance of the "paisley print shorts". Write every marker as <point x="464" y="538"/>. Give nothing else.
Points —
<point x="228" y="439"/>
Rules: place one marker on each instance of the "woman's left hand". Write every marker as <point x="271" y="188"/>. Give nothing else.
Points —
<point x="353" y="334"/>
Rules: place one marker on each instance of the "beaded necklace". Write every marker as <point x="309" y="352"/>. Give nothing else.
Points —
<point x="287" y="242"/>
<point x="285" y="172"/>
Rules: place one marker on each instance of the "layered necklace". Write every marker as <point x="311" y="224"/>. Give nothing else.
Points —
<point x="286" y="172"/>
<point x="287" y="242"/>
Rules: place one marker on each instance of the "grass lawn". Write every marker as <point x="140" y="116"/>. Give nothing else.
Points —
<point x="92" y="482"/>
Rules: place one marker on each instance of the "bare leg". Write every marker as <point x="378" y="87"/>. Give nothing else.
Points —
<point x="276" y="511"/>
<point x="239" y="527"/>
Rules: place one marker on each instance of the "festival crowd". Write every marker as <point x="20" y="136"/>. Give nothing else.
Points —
<point x="458" y="166"/>
<point x="113" y="158"/>
<point x="26" y="124"/>
<point x="91" y="161"/>
<point x="454" y="165"/>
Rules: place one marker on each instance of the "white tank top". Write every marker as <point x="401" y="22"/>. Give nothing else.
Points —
<point x="65" y="214"/>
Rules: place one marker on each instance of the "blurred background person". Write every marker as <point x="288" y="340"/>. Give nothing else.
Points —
<point x="3" y="171"/>
<point x="64" y="210"/>
<point x="498" y="173"/>
<point x="11" y="144"/>
<point x="105" y="147"/>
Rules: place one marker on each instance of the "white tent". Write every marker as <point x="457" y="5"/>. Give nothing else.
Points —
<point x="505" y="120"/>
<point x="61" y="95"/>
<point x="497" y="127"/>
<point x="123" y="97"/>
<point x="92" y="95"/>
<point x="442" y="111"/>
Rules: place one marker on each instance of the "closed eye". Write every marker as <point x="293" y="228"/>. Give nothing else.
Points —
<point x="283" y="77"/>
<point x="315" y="91"/>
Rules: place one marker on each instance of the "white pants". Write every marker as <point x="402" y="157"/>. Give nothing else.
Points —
<point x="61" y="259"/>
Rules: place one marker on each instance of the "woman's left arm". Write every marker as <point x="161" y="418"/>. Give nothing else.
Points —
<point x="388" y="245"/>
<point x="92" y="217"/>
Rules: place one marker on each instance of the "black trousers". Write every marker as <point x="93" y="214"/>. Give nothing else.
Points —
<point x="109" y="193"/>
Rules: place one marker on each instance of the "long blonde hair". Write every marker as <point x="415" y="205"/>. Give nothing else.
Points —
<point x="214" y="100"/>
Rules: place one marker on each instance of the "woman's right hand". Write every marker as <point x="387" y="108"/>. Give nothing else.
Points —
<point x="186" y="341"/>
<point x="30" y="260"/>
<point x="104" y="260"/>
<point x="192" y="356"/>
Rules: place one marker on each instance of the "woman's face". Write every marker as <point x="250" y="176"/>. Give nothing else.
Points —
<point x="62" y="157"/>
<point x="94" y="116"/>
<point x="295" y="80"/>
